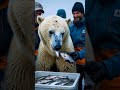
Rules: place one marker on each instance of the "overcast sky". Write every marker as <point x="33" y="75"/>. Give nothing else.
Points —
<point x="51" y="6"/>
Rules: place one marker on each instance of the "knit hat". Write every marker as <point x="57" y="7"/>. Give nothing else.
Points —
<point x="38" y="6"/>
<point x="78" y="7"/>
<point x="61" y="13"/>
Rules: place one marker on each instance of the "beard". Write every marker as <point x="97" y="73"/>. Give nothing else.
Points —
<point x="77" y="22"/>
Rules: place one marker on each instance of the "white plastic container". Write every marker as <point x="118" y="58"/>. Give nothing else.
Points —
<point x="74" y="76"/>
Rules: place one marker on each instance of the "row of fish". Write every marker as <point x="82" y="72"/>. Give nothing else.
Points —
<point x="54" y="80"/>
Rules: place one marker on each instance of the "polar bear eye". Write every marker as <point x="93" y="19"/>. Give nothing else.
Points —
<point x="51" y="32"/>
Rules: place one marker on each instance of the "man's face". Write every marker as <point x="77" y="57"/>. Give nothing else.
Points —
<point x="38" y="12"/>
<point x="77" y="16"/>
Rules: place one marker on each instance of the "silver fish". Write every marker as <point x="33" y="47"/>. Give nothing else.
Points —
<point x="63" y="77"/>
<point x="67" y="57"/>
<point x="69" y="83"/>
<point x="45" y="81"/>
<point x="54" y="83"/>
<point x="54" y="80"/>
<point x="40" y="78"/>
<point x="63" y="81"/>
<point x="51" y="77"/>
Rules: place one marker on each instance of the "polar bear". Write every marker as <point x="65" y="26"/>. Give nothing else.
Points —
<point x="55" y="36"/>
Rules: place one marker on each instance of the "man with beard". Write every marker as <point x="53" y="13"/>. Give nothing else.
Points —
<point x="77" y="33"/>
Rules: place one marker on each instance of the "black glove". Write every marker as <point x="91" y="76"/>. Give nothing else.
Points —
<point x="74" y="55"/>
<point x="95" y="70"/>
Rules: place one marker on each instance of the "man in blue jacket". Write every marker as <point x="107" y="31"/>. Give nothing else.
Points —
<point x="77" y="33"/>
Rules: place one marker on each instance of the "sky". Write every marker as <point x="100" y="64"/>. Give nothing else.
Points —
<point x="51" y="6"/>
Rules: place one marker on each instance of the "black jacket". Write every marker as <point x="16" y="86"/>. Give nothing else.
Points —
<point x="5" y="33"/>
<point x="103" y="25"/>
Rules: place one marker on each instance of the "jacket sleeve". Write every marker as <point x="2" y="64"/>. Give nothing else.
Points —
<point x="82" y="53"/>
<point x="112" y="66"/>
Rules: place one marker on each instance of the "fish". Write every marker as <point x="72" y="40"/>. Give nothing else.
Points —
<point x="40" y="78"/>
<point x="63" y="76"/>
<point x="54" y="80"/>
<point x="67" y="57"/>
<point x="54" y="83"/>
<point x="64" y="82"/>
<point x="69" y="83"/>
<point x="51" y="77"/>
<point x="45" y="81"/>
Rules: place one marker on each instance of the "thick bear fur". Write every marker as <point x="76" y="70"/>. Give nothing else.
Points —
<point x="47" y="58"/>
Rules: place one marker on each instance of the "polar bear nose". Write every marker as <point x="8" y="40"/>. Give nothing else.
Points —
<point x="57" y="47"/>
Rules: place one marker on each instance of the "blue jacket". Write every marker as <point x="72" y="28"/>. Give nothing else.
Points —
<point x="78" y="36"/>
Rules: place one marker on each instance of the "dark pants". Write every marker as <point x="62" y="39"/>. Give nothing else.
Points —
<point x="80" y="69"/>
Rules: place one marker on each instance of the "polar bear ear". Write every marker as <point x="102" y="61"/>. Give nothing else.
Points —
<point x="68" y="20"/>
<point x="39" y="19"/>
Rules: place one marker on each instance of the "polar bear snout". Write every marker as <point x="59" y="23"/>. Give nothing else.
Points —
<point x="57" y="47"/>
<point x="56" y="41"/>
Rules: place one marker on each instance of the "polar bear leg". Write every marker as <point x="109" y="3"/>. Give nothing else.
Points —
<point x="44" y="62"/>
<point x="64" y="66"/>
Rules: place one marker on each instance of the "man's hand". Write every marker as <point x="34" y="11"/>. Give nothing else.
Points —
<point x="95" y="70"/>
<point x="74" y="55"/>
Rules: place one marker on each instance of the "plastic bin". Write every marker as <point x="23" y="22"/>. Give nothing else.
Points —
<point x="74" y="76"/>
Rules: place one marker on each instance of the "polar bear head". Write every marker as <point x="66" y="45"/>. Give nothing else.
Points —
<point x="53" y="32"/>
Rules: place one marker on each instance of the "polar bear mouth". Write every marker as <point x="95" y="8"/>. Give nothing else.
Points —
<point x="57" y="47"/>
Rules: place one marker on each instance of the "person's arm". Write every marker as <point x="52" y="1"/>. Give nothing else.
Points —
<point x="112" y="66"/>
<point x="81" y="53"/>
<point x="105" y="69"/>
<point x="77" y="55"/>
<point x="4" y="4"/>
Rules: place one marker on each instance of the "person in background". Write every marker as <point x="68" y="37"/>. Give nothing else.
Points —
<point x="38" y="12"/>
<point x="77" y="33"/>
<point x="5" y="37"/>
<point x="61" y="13"/>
